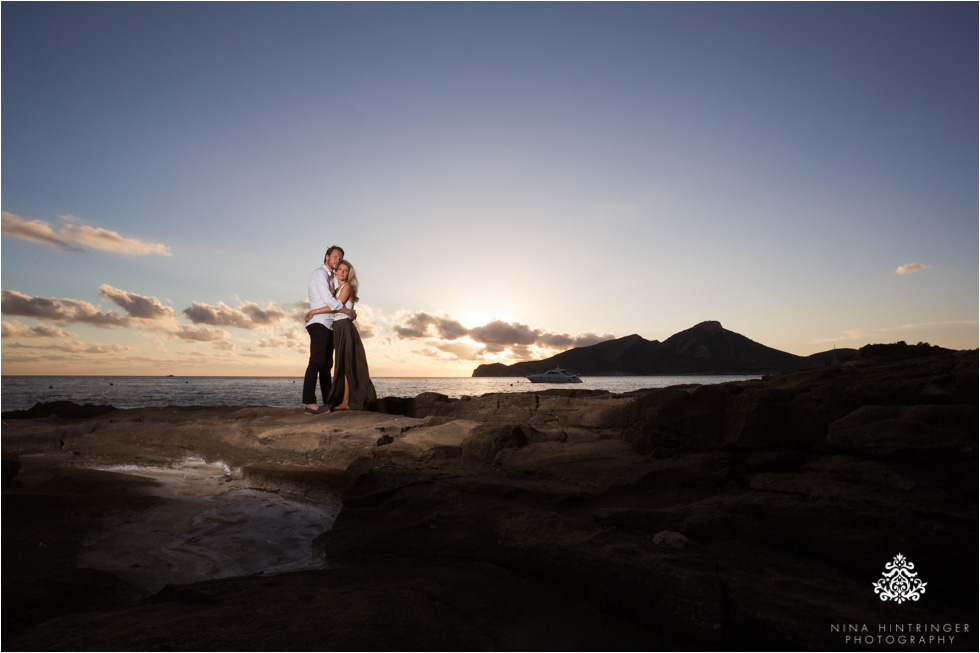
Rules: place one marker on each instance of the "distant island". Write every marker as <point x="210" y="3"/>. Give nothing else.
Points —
<point x="706" y="348"/>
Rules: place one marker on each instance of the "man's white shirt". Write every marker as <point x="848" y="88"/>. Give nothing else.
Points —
<point x="320" y="293"/>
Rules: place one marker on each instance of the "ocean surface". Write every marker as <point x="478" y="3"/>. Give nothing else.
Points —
<point x="22" y="392"/>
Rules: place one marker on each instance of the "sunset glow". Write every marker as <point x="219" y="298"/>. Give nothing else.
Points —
<point x="505" y="189"/>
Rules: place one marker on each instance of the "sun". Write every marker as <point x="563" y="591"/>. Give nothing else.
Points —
<point x="474" y="315"/>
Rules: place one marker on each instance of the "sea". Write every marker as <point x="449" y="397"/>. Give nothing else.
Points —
<point x="22" y="392"/>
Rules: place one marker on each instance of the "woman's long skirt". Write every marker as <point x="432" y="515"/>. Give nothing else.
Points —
<point x="350" y="362"/>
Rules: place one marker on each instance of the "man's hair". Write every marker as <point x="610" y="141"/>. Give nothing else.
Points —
<point x="332" y="248"/>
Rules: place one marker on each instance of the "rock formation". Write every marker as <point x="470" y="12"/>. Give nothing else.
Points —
<point x="752" y="515"/>
<point x="706" y="348"/>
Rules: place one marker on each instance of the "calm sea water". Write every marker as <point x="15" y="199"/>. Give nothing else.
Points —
<point x="22" y="392"/>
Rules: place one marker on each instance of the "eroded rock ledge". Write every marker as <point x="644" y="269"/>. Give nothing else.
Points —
<point x="750" y="514"/>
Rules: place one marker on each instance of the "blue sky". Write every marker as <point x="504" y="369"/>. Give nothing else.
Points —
<point x="509" y="179"/>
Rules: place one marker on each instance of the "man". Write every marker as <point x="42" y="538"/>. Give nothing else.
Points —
<point x="320" y="289"/>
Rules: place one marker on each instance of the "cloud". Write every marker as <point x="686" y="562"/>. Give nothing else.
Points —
<point x="73" y="236"/>
<point x="566" y="341"/>
<point x="298" y="310"/>
<point x="81" y="311"/>
<point x="912" y="267"/>
<point x="198" y="334"/>
<point x="103" y="348"/>
<point x="460" y="350"/>
<point x="62" y="312"/>
<point x="365" y="328"/>
<point x="291" y="334"/>
<point x="284" y="339"/>
<point x="17" y="329"/>
<point x="137" y="306"/>
<point x="423" y="325"/>
<point x="262" y="316"/>
<point x="920" y="330"/>
<point x="76" y="347"/>
<point x="367" y="322"/>
<point x="15" y="303"/>
<point x="253" y="354"/>
<point x="496" y="336"/>
<point x="247" y="316"/>
<point x="141" y="311"/>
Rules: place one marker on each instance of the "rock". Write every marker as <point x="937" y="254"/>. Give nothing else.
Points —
<point x="62" y="409"/>
<point x="907" y="430"/>
<point x="11" y="465"/>
<point x="486" y="441"/>
<point x="705" y="348"/>
<point x="739" y="516"/>
<point x="670" y="540"/>
<point x="323" y="485"/>
<point x="424" y="405"/>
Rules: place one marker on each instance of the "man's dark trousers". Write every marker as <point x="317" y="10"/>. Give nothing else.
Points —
<point x="321" y="361"/>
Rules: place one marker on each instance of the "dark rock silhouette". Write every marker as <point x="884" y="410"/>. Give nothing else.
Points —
<point x="63" y="409"/>
<point x="706" y="348"/>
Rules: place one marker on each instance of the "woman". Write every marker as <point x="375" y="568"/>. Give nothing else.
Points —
<point x="350" y="363"/>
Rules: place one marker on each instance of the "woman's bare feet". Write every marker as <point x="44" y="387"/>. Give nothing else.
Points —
<point x="344" y="403"/>
<point x="344" y="406"/>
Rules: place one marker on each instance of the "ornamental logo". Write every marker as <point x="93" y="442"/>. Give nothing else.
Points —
<point x="899" y="583"/>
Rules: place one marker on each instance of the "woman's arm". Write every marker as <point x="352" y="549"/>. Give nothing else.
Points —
<point x="342" y="297"/>
<point x="319" y="311"/>
<point x="344" y="294"/>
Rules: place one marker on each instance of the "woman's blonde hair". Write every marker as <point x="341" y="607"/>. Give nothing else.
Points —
<point x="351" y="280"/>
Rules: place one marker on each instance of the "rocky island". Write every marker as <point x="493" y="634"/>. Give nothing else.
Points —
<point x="706" y="348"/>
<point x="827" y="508"/>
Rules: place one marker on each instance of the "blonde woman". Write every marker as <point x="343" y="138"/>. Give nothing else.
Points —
<point x="352" y="387"/>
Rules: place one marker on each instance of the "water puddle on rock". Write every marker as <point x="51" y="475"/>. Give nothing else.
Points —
<point x="207" y="525"/>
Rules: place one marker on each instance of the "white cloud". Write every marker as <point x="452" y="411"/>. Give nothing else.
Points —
<point x="62" y="312"/>
<point x="73" y="236"/>
<point x="137" y="306"/>
<point x="912" y="267"/>
<point x="15" y="329"/>
<point x="247" y="316"/>
<point x="198" y="334"/>
<point x="142" y="312"/>
<point x="77" y="347"/>
<point x="496" y="336"/>
<point x="460" y="350"/>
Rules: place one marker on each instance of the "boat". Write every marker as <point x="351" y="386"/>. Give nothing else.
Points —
<point x="557" y="375"/>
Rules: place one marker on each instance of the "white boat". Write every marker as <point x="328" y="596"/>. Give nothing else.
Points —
<point x="557" y="375"/>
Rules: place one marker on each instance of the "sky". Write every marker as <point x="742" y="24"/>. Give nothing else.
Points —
<point x="509" y="180"/>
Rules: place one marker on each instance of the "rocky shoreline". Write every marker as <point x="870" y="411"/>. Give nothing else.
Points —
<point x="747" y="515"/>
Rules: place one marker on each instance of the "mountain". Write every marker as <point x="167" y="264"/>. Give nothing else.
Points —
<point x="706" y="348"/>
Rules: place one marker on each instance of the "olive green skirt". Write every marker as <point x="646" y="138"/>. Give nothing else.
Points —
<point x="350" y="362"/>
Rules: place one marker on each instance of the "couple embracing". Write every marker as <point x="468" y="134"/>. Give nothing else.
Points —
<point x="332" y="290"/>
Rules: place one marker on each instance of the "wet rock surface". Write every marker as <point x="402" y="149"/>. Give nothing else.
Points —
<point x="750" y="514"/>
